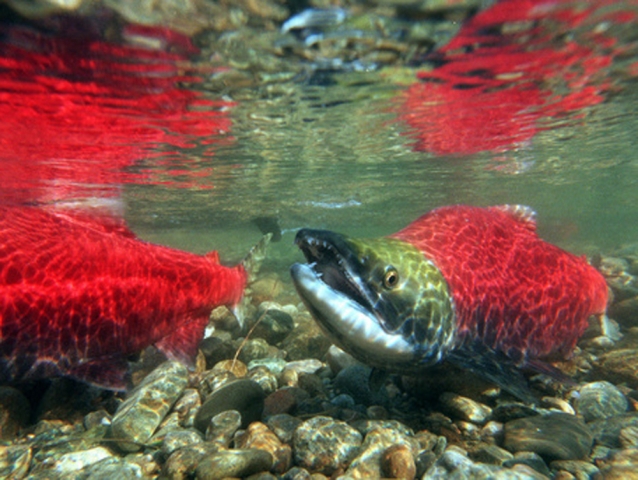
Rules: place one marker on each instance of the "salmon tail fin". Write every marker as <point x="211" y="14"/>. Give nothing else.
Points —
<point x="495" y="367"/>
<point x="251" y="264"/>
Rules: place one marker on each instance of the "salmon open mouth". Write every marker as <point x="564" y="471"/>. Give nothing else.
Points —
<point x="336" y="294"/>
<point x="329" y="256"/>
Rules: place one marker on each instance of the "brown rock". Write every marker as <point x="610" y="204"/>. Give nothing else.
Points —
<point x="620" y="366"/>
<point x="261" y="437"/>
<point x="306" y="340"/>
<point x="625" y="312"/>
<point x="283" y="400"/>
<point x="236" y="367"/>
<point x="398" y="462"/>
<point x="621" y="465"/>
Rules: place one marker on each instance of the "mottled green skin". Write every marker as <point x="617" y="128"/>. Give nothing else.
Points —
<point x="419" y="306"/>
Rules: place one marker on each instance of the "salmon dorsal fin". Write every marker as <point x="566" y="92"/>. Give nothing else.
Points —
<point x="213" y="256"/>
<point x="521" y="213"/>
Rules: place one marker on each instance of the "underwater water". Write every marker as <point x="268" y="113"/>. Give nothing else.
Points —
<point x="543" y="117"/>
<point x="206" y="143"/>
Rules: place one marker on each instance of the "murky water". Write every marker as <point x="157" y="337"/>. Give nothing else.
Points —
<point x="551" y="125"/>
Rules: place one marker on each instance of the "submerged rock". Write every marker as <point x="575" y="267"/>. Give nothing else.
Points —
<point x="600" y="400"/>
<point x="14" y="412"/>
<point x="355" y="382"/>
<point x="492" y="454"/>
<point x="145" y="407"/>
<point x="465" y="408"/>
<point x="385" y="450"/>
<point x="259" y="436"/>
<point x="179" y="439"/>
<point x="578" y="468"/>
<point x="14" y="461"/>
<point x="216" y="349"/>
<point x="619" y="366"/>
<point x="284" y="400"/>
<point x="245" y="396"/>
<point x="113" y="467"/>
<point x="265" y="378"/>
<point x="629" y="437"/>
<point x="183" y="462"/>
<point x="71" y="463"/>
<point x="607" y="431"/>
<point x="222" y="428"/>
<point x="454" y="463"/>
<point x="398" y="462"/>
<point x="555" y="436"/>
<point x="531" y="459"/>
<point x="233" y="463"/>
<point x="325" y="445"/>
<point x="273" y="323"/>
<point x="306" y="341"/>
<point x="284" y="426"/>
<point x="187" y="406"/>
<point x="620" y="465"/>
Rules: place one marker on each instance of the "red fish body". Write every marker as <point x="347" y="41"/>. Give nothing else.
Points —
<point x="474" y="286"/>
<point x="79" y="295"/>
<point x="512" y="290"/>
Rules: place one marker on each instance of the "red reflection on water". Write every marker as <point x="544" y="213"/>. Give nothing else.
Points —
<point x="496" y="85"/>
<point x="78" y="112"/>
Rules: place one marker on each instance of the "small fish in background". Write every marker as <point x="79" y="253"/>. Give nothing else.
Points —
<point x="474" y="286"/>
<point x="80" y="293"/>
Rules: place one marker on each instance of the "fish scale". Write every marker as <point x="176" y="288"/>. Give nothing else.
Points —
<point x="79" y="294"/>
<point x="474" y="286"/>
<point x="516" y="292"/>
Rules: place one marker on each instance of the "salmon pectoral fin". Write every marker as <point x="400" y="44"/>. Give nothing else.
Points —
<point x="495" y="367"/>
<point x="111" y="373"/>
<point x="182" y="343"/>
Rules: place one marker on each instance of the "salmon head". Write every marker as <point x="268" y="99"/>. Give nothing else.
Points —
<point x="379" y="299"/>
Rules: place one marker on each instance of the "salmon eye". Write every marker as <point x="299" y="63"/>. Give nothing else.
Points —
<point x="391" y="278"/>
